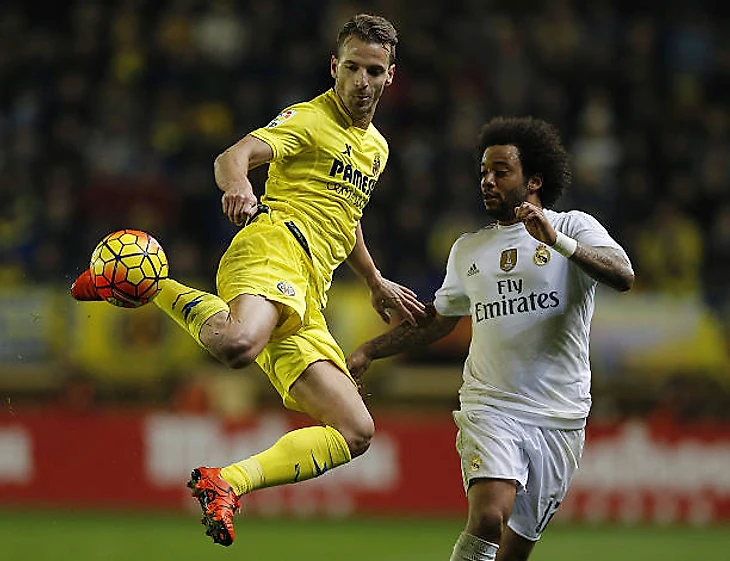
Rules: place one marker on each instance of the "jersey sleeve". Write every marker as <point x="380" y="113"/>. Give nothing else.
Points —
<point x="451" y="299"/>
<point x="291" y="131"/>
<point x="589" y="231"/>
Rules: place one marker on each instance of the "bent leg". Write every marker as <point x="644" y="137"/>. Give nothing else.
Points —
<point x="187" y="306"/>
<point x="328" y="395"/>
<point x="252" y="301"/>
<point x="238" y="336"/>
<point x="233" y="333"/>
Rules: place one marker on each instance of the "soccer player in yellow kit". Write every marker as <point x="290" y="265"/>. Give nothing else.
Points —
<point x="325" y="157"/>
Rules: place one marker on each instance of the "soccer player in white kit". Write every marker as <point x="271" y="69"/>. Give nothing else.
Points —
<point x="528" y="281"/>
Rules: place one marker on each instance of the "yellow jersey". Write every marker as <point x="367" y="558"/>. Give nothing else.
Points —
<point x="321" y="176"/>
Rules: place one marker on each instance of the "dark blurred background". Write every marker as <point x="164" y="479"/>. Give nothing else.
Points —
<point x="111" y="115"/>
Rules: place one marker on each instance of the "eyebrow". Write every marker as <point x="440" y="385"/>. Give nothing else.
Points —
<point x="368" y="66"/>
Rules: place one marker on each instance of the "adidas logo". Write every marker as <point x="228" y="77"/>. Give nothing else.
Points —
<point x="473" y="270"/>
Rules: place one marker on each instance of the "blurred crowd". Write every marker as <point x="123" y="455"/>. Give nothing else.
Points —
<point x="111" y="115"/>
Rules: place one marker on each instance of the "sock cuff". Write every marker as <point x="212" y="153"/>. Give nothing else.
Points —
<point x="189" y="307"/>
<point x="473" y="548"/>
<point x="244" y="476"/>
<point x="338" y="445"/>
<point x="211" y="306"/>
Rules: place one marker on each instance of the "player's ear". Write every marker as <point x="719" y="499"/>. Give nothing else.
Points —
<point x="534" y="183"/>
<point x="333" y="66"/>
<point x="391" y="73"/>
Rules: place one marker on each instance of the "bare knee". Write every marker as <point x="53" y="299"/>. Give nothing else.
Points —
<point x="238" y="337"/>
<point x="488" y="523"/>
<point x="234" y="348"/>
<point x="238" y="354"/>
<point x="328" y="395"/>
<point x="358" y="434"/>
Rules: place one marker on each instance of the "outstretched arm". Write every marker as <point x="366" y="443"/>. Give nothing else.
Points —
<point x="604" y="264"/>
<point x="386" y="296"/>
<point x="402" y="338"/>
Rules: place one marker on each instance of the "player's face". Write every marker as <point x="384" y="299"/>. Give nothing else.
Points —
<point x="502" y="182"/>
<point x="361" y="71"/>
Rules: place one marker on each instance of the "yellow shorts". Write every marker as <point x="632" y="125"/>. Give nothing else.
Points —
<point x="285" y="360"/>
<point x="265" y="259"/>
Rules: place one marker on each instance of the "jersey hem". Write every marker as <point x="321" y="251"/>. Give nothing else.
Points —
<point x="531" y="417"/>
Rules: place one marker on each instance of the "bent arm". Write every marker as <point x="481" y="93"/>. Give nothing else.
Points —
<point x="231" y="175"/>
<point x="231" y="166"/>
<point x="607" y="265"/>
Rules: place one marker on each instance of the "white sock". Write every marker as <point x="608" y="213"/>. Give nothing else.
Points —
<point x="472" y="548"/>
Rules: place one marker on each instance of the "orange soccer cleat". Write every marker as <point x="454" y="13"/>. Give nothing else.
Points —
<point x="83" y="288"/>
<point x="218" y="501"/>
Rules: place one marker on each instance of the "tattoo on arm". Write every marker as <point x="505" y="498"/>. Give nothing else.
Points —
<point x="406" y="337"/>
<point x="606" y="265"/>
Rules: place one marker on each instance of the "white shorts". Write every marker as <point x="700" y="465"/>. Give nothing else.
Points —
<point x="542" y="461"/>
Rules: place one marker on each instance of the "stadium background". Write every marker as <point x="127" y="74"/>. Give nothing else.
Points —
<point x="111" y="116"/>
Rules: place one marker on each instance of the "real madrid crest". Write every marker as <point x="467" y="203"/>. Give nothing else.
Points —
<point x="508" y="260"/>
<point x="476" y="463"/>
<point x="376" y="165"/>
<point x="542" y="255"/>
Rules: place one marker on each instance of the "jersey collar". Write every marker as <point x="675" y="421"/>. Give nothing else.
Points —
<point x="341" y="108"/>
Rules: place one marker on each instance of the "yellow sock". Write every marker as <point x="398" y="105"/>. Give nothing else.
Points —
<point x="189" y="307"/>
<point x="297" y="456"/>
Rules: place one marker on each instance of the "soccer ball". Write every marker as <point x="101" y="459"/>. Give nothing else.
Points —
<point x="127" y="267"/>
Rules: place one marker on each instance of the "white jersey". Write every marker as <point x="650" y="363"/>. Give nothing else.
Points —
<point x="531" y="310"/>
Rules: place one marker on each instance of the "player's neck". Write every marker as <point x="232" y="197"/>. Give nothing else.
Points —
<point x="362" y="122"/>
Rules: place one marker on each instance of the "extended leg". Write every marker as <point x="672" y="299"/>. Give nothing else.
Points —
<point x="328" y="396"/>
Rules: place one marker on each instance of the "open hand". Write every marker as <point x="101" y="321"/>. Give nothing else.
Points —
<point x="394" y="301"/>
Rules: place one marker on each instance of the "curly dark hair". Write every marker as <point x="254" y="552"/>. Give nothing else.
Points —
<point x="372" y="29"/>
<point x="540" y="149"/>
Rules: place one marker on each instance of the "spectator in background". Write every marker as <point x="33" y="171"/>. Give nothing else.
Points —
<point x="670" y="251"/>
<point x="717" y="274"/>
<point x="73" y="75"/>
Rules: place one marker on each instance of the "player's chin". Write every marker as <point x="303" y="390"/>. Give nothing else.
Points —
<point x="491" y="203"/>
<point x="496" y="211"/>
<point x="361" y="105"/>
